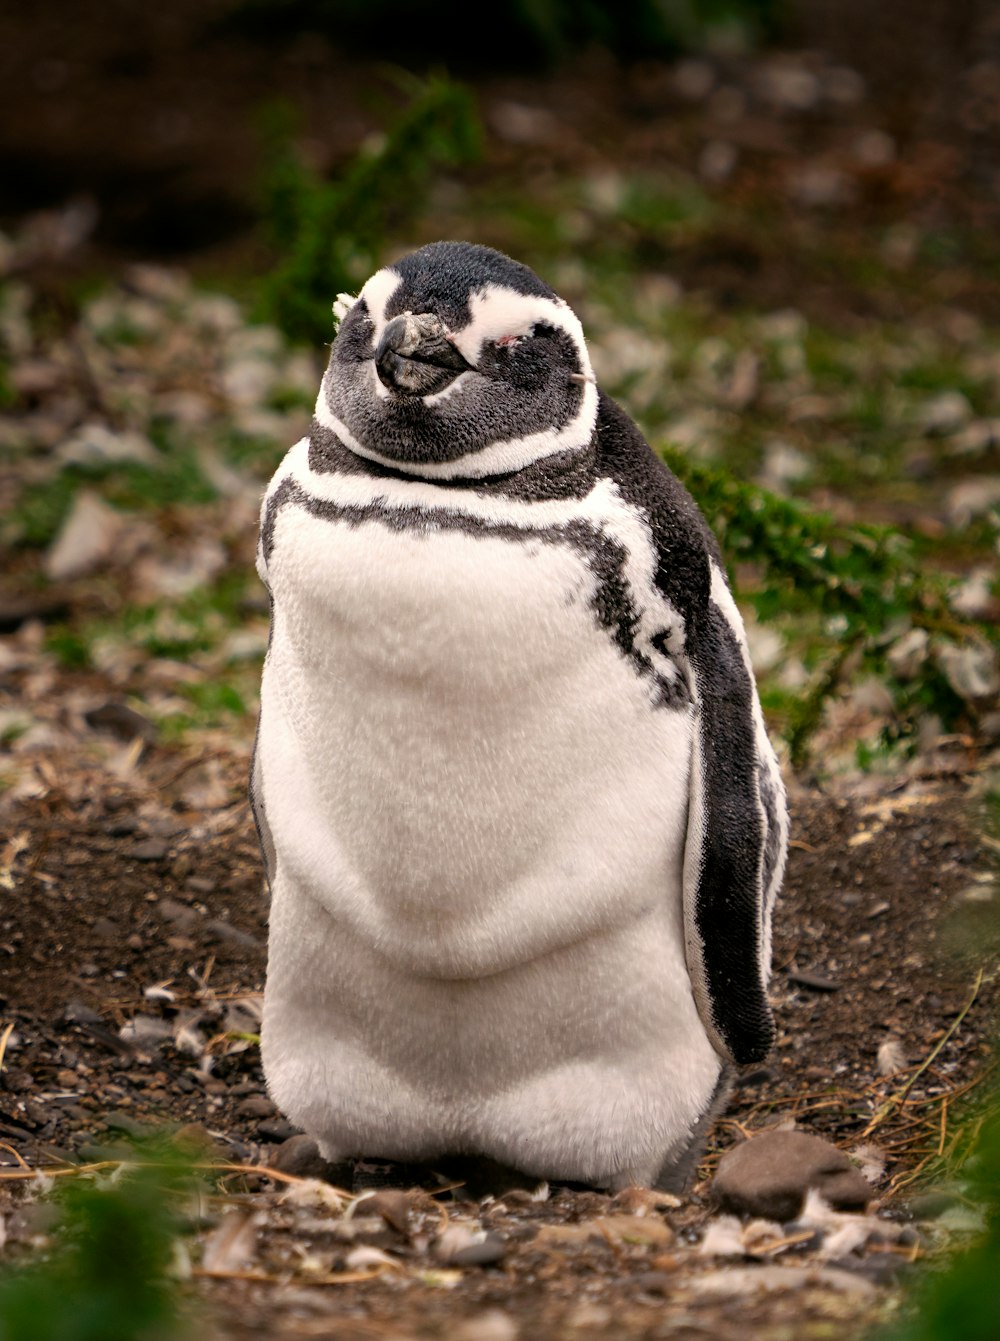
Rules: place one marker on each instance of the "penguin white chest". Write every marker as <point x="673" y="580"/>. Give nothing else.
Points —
<point x="480" y="769"/>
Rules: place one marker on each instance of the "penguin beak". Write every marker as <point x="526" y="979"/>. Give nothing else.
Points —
<point x="414" y="356"/>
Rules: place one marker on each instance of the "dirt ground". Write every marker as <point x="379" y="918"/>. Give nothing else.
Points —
<point x="132" y="911"/>
<point x="133" y="954"/>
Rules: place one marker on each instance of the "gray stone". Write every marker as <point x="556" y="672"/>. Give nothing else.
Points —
<point x="769" y="1175"/>
<point x="256" y="1106"/>
<point x="299" y="1156"/>
<point x="487" y="1252"/>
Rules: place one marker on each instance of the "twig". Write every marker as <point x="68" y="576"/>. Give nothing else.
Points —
<point x="8" y="1030"/>
<point x="338" y="1278"/>
<point x="944" y="1126"/>
<point x="899" y="1098"/>
<point x="4" y="1146"/>
<point x="207" y="1166"/>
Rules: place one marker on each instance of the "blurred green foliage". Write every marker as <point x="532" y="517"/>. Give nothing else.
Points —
<point x="959" y="1299"/>
<point x="960" y="1302"/>
<point x="107" y="1278"/>
<point x="328" y="235"/>
<point x="866" y="584"/>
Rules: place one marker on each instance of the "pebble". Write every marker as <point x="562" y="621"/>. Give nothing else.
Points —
<point x="816" y="982"/>
<point x="277" y="1129"/>
<point x="299" y="1156"/>
<point x="85" y="540"/>
<point x="461" y="1245"/>
<point x="932" y="1204"/>
<point x="129" y="1125"/>
<point x="221" y="930"/>
<point x="769" y="1176"/>
<point x="393" y="1207"/>
<point x="972" y="671"/>
<point x="945" y="413"/>
<point x="655" y="1282"/>
<point x="120" y="720"/>
<point x="179" y="913"/>
<point x="493" y="1325"/>
<point x="487" y="1252"/>
<point x="150" y="849"/>
<point x="255" y="1106"/>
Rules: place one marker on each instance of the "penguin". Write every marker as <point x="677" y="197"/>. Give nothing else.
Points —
<point x="522" y="823"/>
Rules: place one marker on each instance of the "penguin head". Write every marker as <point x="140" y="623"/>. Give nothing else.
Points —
<point x="457" y="361"/>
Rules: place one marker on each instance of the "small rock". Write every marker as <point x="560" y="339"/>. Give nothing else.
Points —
<point x="820" y="186"/>
<point x="931" y="1205"/>
<point x="972" y="498"/>
<point x="843" y="86"/>
<point x="486" y="1252"/>
<point x="96" y="444"/>
<point x="974" y="598"/>
<point x="878" y="1268"/>
<point x="519" y="123"/>
<point x="392" y="1205"/>
<point x="78" y="1012"/>
<point x="747" y="1281"/>
<point x="972" y="670"/>
<point x="655" y="1282"/>
<point x="790" y="87"/>
<point x="769" y="1176"/>
<point x="816" y="982"/>
<point x="717" y="160"/>
<point x="647" y="1229"/>
<point x="493" y="1325"/>
<point x="120" y="720"/>
<point x="945" y="413"/>
<point x="277" y="1129"/>
<point x="365" y="1256"/>
<point x="85" y="540"/>
<point x="299" y="1156"/>
<point x="220" y="930"/>
<point x="874" y="148"/>
<point x="178" y="913"/>
<point x="150" y="849"/>
<point x="693" y="79"/>
<point x="256" y="1106"/>
<point x="783" y="466"/>
<point x="129" y="1125"/>
<point x="461" y="1245"/>
<point x="908" y="653"/>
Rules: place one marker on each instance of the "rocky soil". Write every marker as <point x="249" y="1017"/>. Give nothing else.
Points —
<point x="133" y="953"/>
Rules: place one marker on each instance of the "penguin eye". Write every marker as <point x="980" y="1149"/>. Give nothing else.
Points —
<point x="509" y="341"/>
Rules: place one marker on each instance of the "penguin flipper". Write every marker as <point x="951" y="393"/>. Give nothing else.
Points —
<point x="736" y="838"/>
<point x="737" y="824"/>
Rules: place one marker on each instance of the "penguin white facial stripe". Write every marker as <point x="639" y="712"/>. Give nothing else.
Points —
<point x="377" y="293"/>
<point x="498" y="313"/>
<point x="499" y="458"/>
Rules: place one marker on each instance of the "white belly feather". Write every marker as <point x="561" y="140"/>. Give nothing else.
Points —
<point x="477" y="753"/>
<point x="479" y="819"/>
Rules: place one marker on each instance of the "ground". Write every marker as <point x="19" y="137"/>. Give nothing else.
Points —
<point x="134" y="936"/>
<point x="785" y="261"/>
